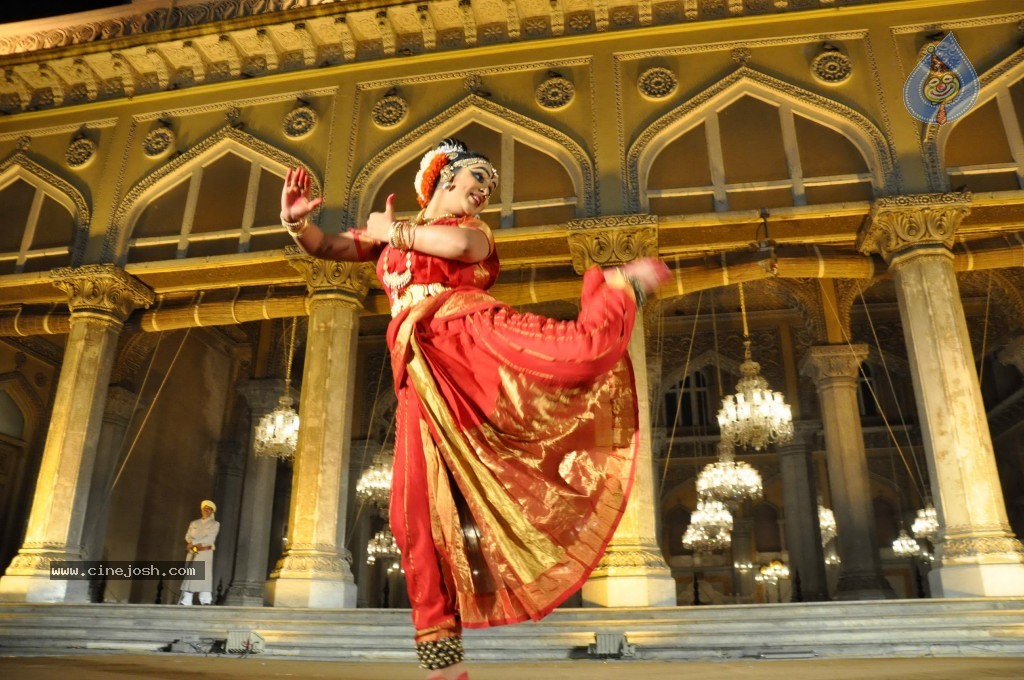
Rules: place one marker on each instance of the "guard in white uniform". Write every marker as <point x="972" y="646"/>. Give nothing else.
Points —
<point x="200" y="540"/>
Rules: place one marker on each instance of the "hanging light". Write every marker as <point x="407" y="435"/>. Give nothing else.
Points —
<point x="772" y="573"/>
<point x="374" y="485"/>
<point x="710" y="527"/>
<point x="926" y="524"/>
<point x="728" y="480"/>
<point x="278" y="431"/>
<point x="826" y="522"/>
<point x="905" y="546"/>
<point x="383" y="547"/>
<point x="755" y="416"/>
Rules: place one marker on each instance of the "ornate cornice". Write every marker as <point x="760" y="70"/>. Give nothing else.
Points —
<point x="261" y="395"/>
<point x="101" y="289"/>
<point x="898" y="224"/>
<point x="325" y="277"/>
<point x="611" y="240"/>
<point x="115" y="53"/>
<point x="833" y="363"/>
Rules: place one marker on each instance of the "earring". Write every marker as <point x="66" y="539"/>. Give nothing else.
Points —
<point x="448" y="186"/>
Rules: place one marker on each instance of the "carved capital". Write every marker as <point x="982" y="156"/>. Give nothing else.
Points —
<point x="607" y="241"/>
<point x="899" y="224"/>
<point x="101" y="289"/>
<point x="801" y="443"/>
<point x="1013" y="353"/>
<point x="261" y="395"/>
<point x="120" y="404"/>
<point x="324" y="277"/>
<point x="831" y="363"/>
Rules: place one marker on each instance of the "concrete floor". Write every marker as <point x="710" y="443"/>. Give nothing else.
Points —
<point x="171" y="666"/>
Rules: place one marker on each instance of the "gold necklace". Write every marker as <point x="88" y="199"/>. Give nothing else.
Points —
<point x="421" y="220"/>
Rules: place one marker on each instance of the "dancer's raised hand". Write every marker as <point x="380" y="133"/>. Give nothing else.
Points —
<point x="295" y="201"/>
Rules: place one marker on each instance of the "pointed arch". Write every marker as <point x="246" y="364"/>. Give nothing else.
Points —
<point x="700" y="362"/>
<point x="21" y="166"/>
<point x="804" y="296"/>
<point x="475" y="109"/>
<point x="992" y="84"/>
<point x="225" y="141"/>
<point x="26" y="399"/>
<point x="745" y="81"/>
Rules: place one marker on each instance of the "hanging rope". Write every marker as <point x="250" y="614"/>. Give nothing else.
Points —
<point x="918" y="485"/>
<point x="152" y="403"/>
<point x="984" y="333"/>
<point x="679" y="399"/>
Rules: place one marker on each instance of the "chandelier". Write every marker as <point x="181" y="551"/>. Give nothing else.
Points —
<point x="926" y="525"/>
<point x="710" y="527"/>
<point x="374" y="485"/>
<point x="905" y="546"/>
<point x="826" y="522"/>
<point x="772" y="573"/>
<point x="277" y="433"/>
<point x="755" y="416"/>
<point x="727" y="480"/>
<point x="382" y="547"/>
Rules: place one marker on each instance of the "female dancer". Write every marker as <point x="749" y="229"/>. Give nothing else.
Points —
<point x="516" y="434"/>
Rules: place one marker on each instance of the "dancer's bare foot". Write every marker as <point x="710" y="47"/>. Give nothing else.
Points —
<point x="456" y="672"/>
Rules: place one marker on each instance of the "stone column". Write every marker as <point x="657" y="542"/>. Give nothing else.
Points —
<point x="116" y="418"/>
<point x="977" y="553"/>
<point x="253" y="545"/>
<point x="100" y="298"/>
<point x="633" y="572"/>
<point x="803" y="536"/>
<point x="312" y="572"/>
<point x="834" y="369"/>
<point x="228" y="497"/>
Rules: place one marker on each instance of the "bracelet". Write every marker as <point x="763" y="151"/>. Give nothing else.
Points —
<point x="297" y="228"/>
<point x="399" y="236"/>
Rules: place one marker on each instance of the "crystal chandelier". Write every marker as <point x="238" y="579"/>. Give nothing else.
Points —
<point x="772" y="573"/>
<point x="382" y="547"/>
<point x="926" y="525"/>
<point x="727" y="480"/>
<point x="374" y="485"/>
<point x="826" y="522"/>
<point x="904" y="545"/>
<point x="710" y="527"/>
<point x="278" y="431"/>
<point x="755" y="416"/>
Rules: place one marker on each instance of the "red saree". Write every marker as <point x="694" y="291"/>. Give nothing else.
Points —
<point x="515" y="443"/>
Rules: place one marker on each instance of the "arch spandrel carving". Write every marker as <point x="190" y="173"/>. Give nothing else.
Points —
<point x="475" y="109"/>
<point x="866" y="137"/>
<point x="935" y="137"/>
<point x="228" y="139"/>
<point x="20" y="166"/>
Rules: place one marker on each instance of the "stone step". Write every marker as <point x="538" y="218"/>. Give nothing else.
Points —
<point x="890" y="628"/>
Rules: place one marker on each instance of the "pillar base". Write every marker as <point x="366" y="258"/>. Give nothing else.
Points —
<point x="631" y="576"/>
<point x="864" y="587"/>
<point x="978" y="580"/>
<point x="245" y="594"/>
<point x="312" y="593"/>
<point x="39" y="588"/>
<point x="630" y="591"/>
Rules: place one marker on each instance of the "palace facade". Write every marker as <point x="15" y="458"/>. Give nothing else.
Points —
<point x="762" y="148"/>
